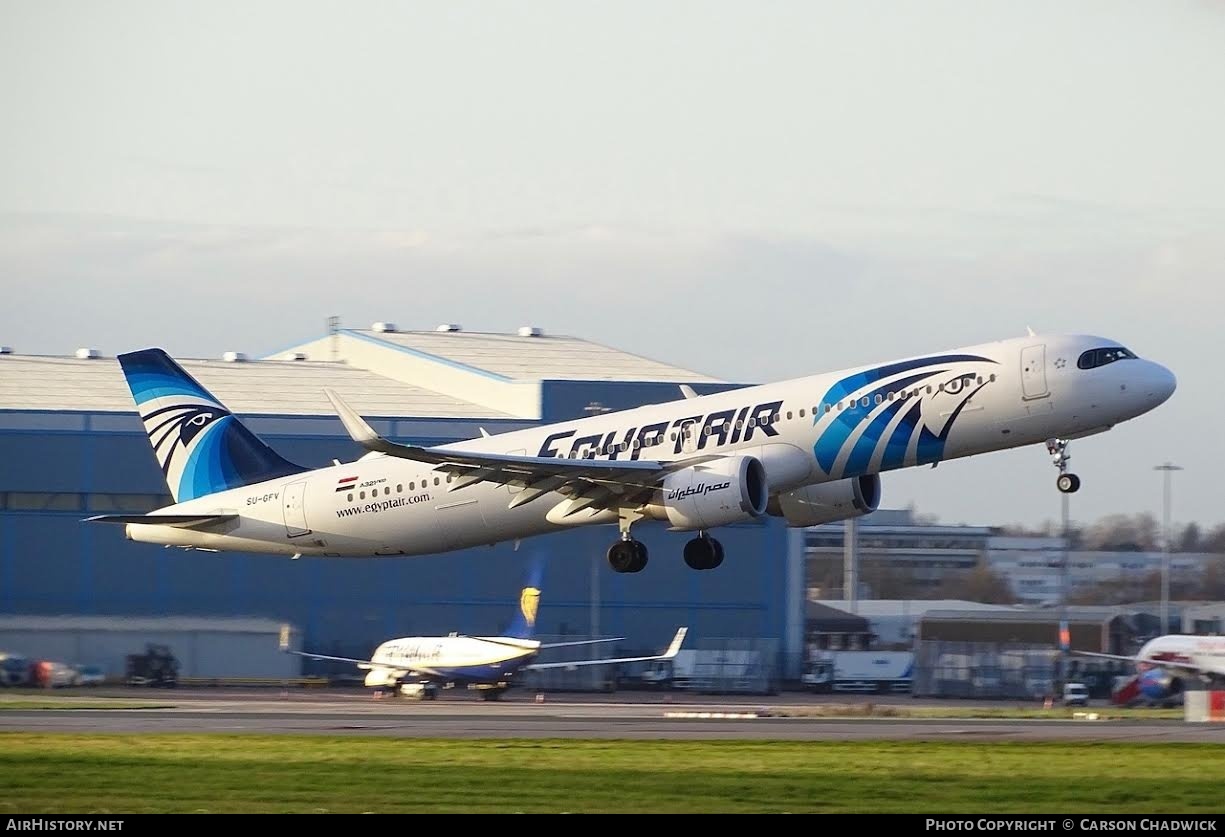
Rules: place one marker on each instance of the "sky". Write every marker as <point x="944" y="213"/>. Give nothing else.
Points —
<point x="752" y="190"/>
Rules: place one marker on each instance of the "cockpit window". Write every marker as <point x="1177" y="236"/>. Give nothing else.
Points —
<point x="1100" y="357"/>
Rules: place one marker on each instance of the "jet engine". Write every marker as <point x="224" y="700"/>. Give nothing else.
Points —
<point x="731" y="490"/>
<point x="827" y="502"/>
<point x="1159" y="686"/>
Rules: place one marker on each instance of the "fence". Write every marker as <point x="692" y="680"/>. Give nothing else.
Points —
<point x="713" y="665"/>
<point x="984" y="670"/>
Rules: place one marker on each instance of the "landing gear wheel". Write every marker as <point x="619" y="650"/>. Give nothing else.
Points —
<point x="627" y="556"/>
<point x="1068" y="483"/>
<point x="703" y="553"/>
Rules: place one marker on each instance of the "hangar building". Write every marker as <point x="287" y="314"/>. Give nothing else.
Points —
<point x="72" y="446"/>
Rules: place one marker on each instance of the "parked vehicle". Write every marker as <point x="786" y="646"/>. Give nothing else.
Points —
<point x="90" y="676"/>
<point x="861" y="671"/>
<point x="15" y="670"/>
<point x="156" y="667"/>
<point x="1075" y="694"/>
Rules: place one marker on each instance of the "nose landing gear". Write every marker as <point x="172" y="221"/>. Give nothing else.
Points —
<point x="1058" y="449"/>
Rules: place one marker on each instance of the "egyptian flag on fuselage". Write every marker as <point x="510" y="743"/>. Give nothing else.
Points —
<point x="345" y="484"/>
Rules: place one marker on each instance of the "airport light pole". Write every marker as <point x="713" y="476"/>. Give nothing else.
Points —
<point x="850" y="568"/>
<point x="596" y="408"/>
<point x="1167" y="469"/>
<point x="1063" y="596"/>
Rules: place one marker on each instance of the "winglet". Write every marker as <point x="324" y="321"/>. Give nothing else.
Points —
<point x="688" y="391"/>
<point x="676" y="644"/>
<point x="355" y="425"/>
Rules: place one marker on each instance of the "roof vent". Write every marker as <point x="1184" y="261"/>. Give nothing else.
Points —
<point x="384" y="327"/>
<point x="88" y="353"/>
<point x="233" y="357"/>
<point x="448" y="327"/>
<point x="530" y="331"/>
<point x="298" y="356"/>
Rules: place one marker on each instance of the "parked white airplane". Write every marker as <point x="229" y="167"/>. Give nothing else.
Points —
<point x="418" y="666"/>
<point x="1167" y="665"/>
<point x="810" y="450"/>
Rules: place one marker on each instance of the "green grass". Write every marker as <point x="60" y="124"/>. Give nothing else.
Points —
<point x="117" y="773"/>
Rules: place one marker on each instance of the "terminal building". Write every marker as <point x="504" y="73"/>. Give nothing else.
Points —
<point x="72" y="446"/>
<point x="898" y="555"/>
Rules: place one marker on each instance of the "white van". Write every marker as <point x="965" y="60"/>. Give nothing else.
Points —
<point x="1075" y="694"/>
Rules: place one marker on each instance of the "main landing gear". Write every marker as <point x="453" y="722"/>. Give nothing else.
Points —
<point x="630" y="556"/>
<point x="627" y="555"/>
<point x="703" y="552"/>
<point x="1058" y="449"/>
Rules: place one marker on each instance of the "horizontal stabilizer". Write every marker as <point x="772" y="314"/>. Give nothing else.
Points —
<point x="163" y="519"/>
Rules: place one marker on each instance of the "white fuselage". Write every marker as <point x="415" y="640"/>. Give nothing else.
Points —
<point x="805" y="431"/>
<point x="1205" y="653"/>
<point x="448" y="658"/>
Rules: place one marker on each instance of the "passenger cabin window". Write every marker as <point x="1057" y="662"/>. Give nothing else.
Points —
<point x="1100" y="357"/>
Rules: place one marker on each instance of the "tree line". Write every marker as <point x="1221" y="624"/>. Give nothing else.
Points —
<point x="1129" y="533"/>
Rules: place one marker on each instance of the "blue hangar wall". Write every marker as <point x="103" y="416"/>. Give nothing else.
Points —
<point x="59" y="467"/>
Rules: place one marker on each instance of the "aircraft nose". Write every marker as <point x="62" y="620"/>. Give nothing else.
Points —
<point x="1160" y="383"/>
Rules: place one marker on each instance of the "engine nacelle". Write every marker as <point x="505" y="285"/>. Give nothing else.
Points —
<point x="731" y="490"/>
<point x="827" y="502"/>
<point x="1159" y="686"/>
<point x="379" y="676"/>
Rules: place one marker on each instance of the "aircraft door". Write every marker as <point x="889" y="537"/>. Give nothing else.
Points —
<point x="689" y="437"/>
<point x="295" y="510"/>
<point x="1033" y="372"/>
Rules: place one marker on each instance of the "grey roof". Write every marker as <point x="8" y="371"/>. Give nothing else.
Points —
<point x="831" y="618"/>
<point x="223" y="624"/>
<point x="276" y="387"/>
<point x="541" y="357"/>
<point x="909" y="607"/>
<point x="1052" y="616"/>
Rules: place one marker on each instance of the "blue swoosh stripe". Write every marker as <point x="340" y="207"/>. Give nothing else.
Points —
<point x="146" y="386"/>
<point x="861" y="454"/>
<point x="830" y="443"/>
<point x="899" y="441"/>
<point x="859" y="380"/>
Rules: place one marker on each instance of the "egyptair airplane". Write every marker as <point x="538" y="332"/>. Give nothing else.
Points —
<point x="1167" y="665"/>
<point x="809" y="450"/>
<point x="418" y="666"/>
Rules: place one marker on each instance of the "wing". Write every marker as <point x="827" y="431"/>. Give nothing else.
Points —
<point x="1175" y="664"/>
<point x="360" y="663"/>
<point x="284" y="645"/>
<point x="594" y="483"/>
<point x="666" y="655"/>
<point x="1108" y="656"/>
<point x="527" y="645"/>
<point x="579" y="642"/>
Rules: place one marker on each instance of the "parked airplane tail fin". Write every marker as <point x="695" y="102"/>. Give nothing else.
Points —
<point x="524" y="624"/>
<point x="201" y="447"/>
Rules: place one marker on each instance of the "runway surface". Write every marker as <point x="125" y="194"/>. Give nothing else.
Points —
<point x="569" y="716"/>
